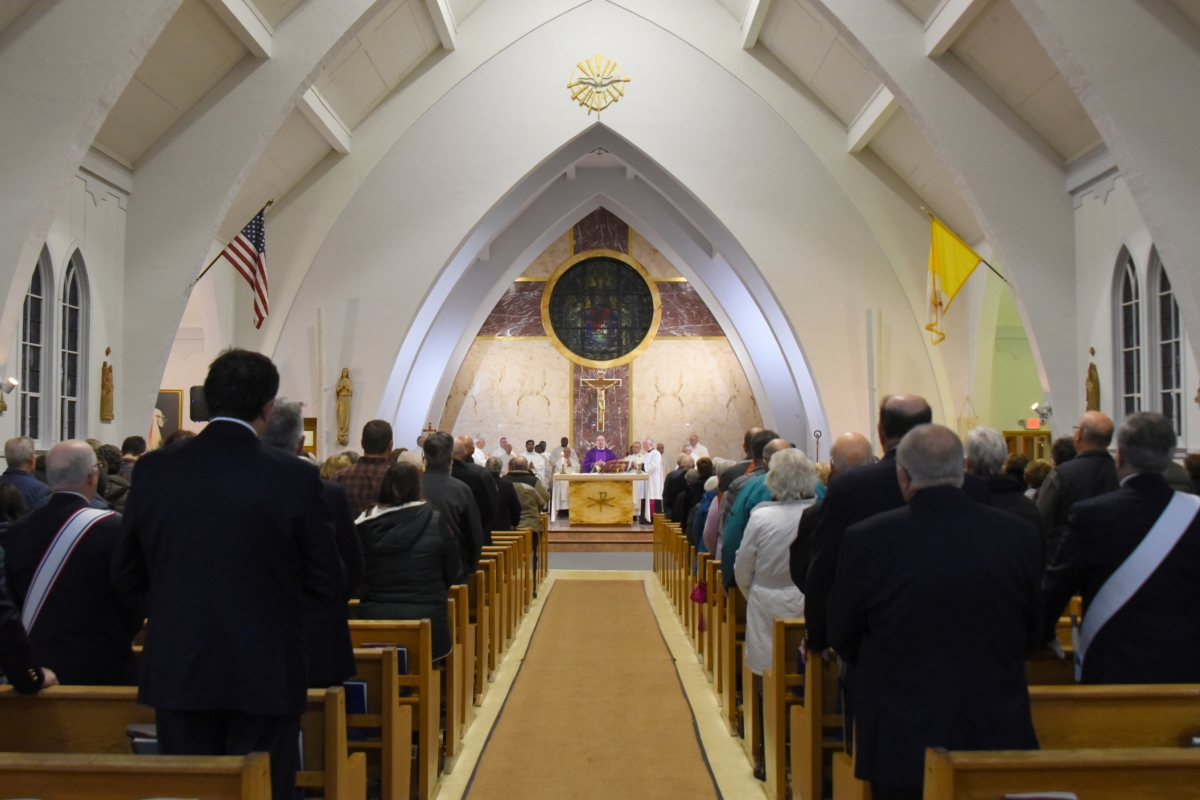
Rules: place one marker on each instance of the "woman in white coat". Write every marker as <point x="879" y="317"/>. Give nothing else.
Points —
<point x="762" y="567"/>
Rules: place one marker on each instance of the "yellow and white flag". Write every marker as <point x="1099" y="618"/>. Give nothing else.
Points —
<point x="951" y="262"/>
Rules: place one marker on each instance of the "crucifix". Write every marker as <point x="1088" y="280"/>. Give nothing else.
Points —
<point x="429" y="429"/>
<point x="601" y="384"/>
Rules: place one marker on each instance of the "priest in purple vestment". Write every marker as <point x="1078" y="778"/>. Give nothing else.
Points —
<point x="598" y="455"/>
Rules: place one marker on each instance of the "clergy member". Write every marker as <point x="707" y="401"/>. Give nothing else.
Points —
<point x="699" y="451"/>
<point x="598" y="455"/>
<point x="652" y="464"/>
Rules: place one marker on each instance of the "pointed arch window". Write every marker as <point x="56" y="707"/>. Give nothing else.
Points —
<point x="33" y="340"/>
<point x="1130" y="321"/>
<point x="71" y="350"/>
<point x="1169" y="353"/>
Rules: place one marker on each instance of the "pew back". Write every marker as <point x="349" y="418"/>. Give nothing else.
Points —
<point x="73" y="776"/>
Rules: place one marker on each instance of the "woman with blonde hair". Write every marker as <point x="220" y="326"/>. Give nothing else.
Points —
<point x="333" y="465"/>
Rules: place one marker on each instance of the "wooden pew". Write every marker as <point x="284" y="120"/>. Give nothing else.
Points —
<point x="75" y="776"/>
<point x="453" y="699"/>
<point x="480" y="620"/>
<point x="386" y="706"/>
<point x="92" y="720"/>
<point x="733" y="638"/>
<point x="712" y="619"/>
<point x="523" y="538"/>
<point x="1110" y="774"/>
<point x="505" y="556"/>
<point x="464" y="637"/>
<point x="489" y="567"/>
<point x="782" y="685"/>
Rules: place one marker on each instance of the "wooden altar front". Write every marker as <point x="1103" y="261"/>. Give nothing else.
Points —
<point x="599" y="498"/>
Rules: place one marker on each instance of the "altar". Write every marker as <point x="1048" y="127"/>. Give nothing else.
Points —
<point x="600" y="498"/>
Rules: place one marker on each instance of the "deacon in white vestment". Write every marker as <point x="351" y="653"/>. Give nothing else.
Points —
<point x="699" y="451"/>
<point x="639" y="487"/>
<point x="504" y="453"/>
<point x="537" y="461"/>
<point x="480" y="455"/>
<point x="565" y="466"/>
<point x="652" y="464"/>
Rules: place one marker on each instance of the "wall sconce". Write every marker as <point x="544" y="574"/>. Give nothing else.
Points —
<point x="6" y="387"/>
<point x="1043" y="412"/>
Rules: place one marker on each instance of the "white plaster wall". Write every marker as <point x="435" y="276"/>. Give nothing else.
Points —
<point x="1103" y="225"/>
<point x="93" y="224"/>
<point x="823" y="263"/>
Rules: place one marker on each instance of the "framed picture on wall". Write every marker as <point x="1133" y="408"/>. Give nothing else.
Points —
<point x="170" y="405"/>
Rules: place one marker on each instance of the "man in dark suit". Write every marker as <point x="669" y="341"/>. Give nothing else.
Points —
<point x="849" y="451"/>
<point x="229" y="536"/>
<point x="452" y="497"/>
<point x="742" y="467"/>
<point x="480" y="482"/>
<point x="21" y="458"/>
<point x="674" y="484"/>
<point x="16" y="655"/>
<point x="986" y="456"/>
<point x="1092" y="472"/>
<point x="83" y="630"/>
<point x="938" y="605"/>
<point x="1155" y="636"/>
<point x="326" y="624"/>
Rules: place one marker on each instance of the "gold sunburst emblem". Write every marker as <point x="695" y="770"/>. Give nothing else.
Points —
<point x="597" y="83"/>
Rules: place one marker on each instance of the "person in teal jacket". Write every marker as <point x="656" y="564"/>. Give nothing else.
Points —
<point x="754" y="492"/>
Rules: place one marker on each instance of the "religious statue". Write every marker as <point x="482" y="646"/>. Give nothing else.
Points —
<point x="106" y="392"/>
<point x="155" y="439"/>
<point x="1092" y="386"/>
<point x="598" y="455"/>
<point x="344" y="392"/>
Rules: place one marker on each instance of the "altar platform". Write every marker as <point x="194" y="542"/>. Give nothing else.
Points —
<point x="568" y="538"/>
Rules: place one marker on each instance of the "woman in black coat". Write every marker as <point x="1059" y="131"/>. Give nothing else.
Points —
<point x="410" y="555"/>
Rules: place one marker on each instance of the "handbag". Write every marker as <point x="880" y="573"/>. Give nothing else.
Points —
<point x="700" y="593"/>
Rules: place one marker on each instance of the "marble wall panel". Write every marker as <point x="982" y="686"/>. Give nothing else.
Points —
<point x="601" y="229"/>
<point x="649" y="257"/>
<point x="518" y="313"/>
<point x="684" y="313"/>
<point x="544" y="265"/>
<point x="616" y="412"/>
<point x="518" y="388"/>
<point x="686" y="386"/>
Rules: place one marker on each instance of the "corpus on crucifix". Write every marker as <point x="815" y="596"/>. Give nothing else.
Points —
<point x="601" y="384"/>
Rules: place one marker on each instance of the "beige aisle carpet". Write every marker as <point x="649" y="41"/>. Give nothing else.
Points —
<point x="597" y="710"/>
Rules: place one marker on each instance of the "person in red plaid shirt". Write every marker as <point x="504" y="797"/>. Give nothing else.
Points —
<point x="363" y="479"/>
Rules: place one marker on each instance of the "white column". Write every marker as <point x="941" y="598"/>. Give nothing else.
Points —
<point x="184" y="186"/>
<point x="1012" y="182"/>
<point x="63" y="64"/>
<point x="1136" y="69"/>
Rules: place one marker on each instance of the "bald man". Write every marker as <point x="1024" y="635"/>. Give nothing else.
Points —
<point x="78" y="625"/>
<point x="1091" y="473"/>
<point x="480" y="482"/>
<point x="850" y="451"/>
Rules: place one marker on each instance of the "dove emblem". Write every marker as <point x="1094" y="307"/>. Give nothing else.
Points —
<point x="597" y="83"/>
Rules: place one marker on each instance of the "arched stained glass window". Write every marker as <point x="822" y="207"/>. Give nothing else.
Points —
<point x="33" y="339"/>
<point x="1169" y="346"/>
<point x="1130" y="321"/>
<point x="71" y="372"/>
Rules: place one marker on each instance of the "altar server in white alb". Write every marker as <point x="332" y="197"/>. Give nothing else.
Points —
<point x="653" y="467"/>
<point x="699" y="451"/>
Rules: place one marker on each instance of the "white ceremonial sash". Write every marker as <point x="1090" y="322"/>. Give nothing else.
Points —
<point x="1123" y="584"/>
<point x="68" y="536"/>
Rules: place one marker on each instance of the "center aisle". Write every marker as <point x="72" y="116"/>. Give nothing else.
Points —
<point x="597" y="709"/>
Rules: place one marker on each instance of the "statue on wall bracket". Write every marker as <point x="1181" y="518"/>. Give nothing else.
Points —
<point x="1092" y="386"/>
<point x="106" y="389"/>
<point x="345" y="392"/>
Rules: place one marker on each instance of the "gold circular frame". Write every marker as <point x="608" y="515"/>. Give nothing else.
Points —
<point x="616" y="255"/>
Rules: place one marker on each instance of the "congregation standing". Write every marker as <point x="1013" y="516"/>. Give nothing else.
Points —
<point x="931" y="573"/>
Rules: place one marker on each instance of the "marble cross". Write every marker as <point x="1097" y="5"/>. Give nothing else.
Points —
<point x="601" y="385"/>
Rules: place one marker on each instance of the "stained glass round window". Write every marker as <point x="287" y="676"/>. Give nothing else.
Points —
<point x="601" y="309"/>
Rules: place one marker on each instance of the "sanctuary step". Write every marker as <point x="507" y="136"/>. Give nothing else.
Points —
<point x="567" y="538"/>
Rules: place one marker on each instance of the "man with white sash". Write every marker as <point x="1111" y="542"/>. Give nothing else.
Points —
<point x="1134" y="556"/>
<point x="58" y="561"/>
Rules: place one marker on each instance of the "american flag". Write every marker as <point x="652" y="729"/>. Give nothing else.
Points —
<point x="248" y="254"/>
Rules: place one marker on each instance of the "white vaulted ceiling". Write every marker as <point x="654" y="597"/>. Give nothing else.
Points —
<point x="378" y="60"/>
<point x="924" y="10"/>
<point x="1001" y="49"/>
<point x="291" y="155"/>
<point x="194" y="51"/>
<point x="274" y="12"/>
<point x="10" y="10"/>
<point x="811" y="48"/>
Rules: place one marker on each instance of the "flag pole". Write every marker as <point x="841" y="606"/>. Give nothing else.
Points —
<point x="204" y="271"/>
<point x="981" y="258"/>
